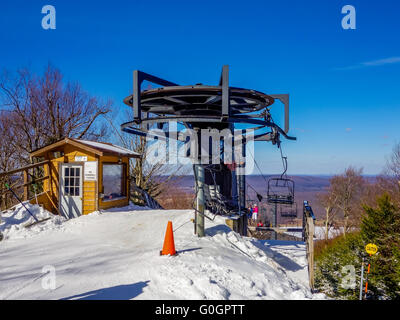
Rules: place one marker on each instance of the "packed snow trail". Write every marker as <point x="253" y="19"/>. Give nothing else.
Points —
<point x="115" y="255"/>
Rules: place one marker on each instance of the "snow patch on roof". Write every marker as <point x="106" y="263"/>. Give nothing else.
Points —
<point x="108" y="146"/>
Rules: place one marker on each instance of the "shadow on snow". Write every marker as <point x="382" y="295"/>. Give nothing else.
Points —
<point x="121" y="292"/>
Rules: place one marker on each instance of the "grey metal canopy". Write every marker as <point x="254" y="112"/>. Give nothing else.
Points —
<point x="216" y="106"/>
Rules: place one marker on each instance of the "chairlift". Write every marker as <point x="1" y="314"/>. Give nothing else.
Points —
<point x="281" y="190"/>
<point x="288" y="211"/>
<point x="214" y="199"/>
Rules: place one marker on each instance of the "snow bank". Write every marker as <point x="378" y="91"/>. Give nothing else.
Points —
<point x="332" y="233"/>
<point x="115" y="255"/>
<point x="319" y="233"/>
<point x="13" y="221"/>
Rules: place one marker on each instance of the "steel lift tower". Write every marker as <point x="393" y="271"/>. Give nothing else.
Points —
<point x="200" y="108"/>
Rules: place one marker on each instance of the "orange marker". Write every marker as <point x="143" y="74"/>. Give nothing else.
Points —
<point x="169" y="244"/>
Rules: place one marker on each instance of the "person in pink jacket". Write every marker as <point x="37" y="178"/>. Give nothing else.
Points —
<point x="255" y="212"/>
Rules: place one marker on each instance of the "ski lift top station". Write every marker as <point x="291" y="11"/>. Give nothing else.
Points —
<point x="83" y="176"/>
<point x="218" y="188"/>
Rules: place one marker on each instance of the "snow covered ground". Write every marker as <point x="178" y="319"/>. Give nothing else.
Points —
<point x="115" y="255"/>
<point x="319" y="233"/>
<point x="332" y="233"/>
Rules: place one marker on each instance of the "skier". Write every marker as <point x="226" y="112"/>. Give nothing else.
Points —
<point x="255" y="212"/>
<point x="250" y="212"/>
<point x="249" y="215"/>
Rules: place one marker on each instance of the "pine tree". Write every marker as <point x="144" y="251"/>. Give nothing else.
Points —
<point x="336" y="254"/>
<point x="381" y="226"/>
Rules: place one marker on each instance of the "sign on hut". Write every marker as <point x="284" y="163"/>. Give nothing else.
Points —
<point x="84" y="176"/>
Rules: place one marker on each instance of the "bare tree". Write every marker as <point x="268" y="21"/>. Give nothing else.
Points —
<point x="8" y="158"/>
<point x="348" y="188"/>
<point x="393" y="164"/>
<point x="389" y="180"/>
<point x="154" y="178"/>
<point x="43" y="110"/>
<point x="329" y="201"/>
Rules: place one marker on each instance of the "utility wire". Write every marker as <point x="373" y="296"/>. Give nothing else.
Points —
<point x="258" y="167"/>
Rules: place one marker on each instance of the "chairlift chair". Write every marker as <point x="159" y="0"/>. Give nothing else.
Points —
<point x="215" y="201"/>
<point x="280" y="191"/>
<point x="288" y="211"/>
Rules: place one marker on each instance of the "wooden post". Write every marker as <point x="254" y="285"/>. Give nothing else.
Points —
<point x="6" y="200"/>
<point x="308" y="238"/>
<point x="311" y="250"/>
<point x="26" y="190"/>
<point x="310" y="223"/>
<point x="46" y="183"/>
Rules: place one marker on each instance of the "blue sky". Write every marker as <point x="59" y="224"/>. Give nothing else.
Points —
<point x="343" y="84"/>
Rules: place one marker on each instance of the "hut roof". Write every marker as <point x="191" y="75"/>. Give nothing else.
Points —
<point x="99" y="148"/>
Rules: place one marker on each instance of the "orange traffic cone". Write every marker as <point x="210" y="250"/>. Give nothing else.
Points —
<point x="169" y="244"/>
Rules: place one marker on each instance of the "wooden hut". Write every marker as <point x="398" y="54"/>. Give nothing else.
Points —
<point x="84" y="176"/>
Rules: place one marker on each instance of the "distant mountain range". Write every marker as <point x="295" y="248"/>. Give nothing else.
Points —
<point x="307" y="187"/>
<point x="258" y="182"/>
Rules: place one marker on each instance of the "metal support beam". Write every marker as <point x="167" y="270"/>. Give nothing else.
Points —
<point x="199" y="177"/>
<point x="137" y="112"/>
<point x="275" y="220"/>
<point x="284" y="98"/>
<point x="138" y="78"/>
<point x="362" y="279"/>
<point x="242" y="191"/>
<point x="224" y="82"/>
<point x="242" y="177"/>
<point x="234" y="191"/>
